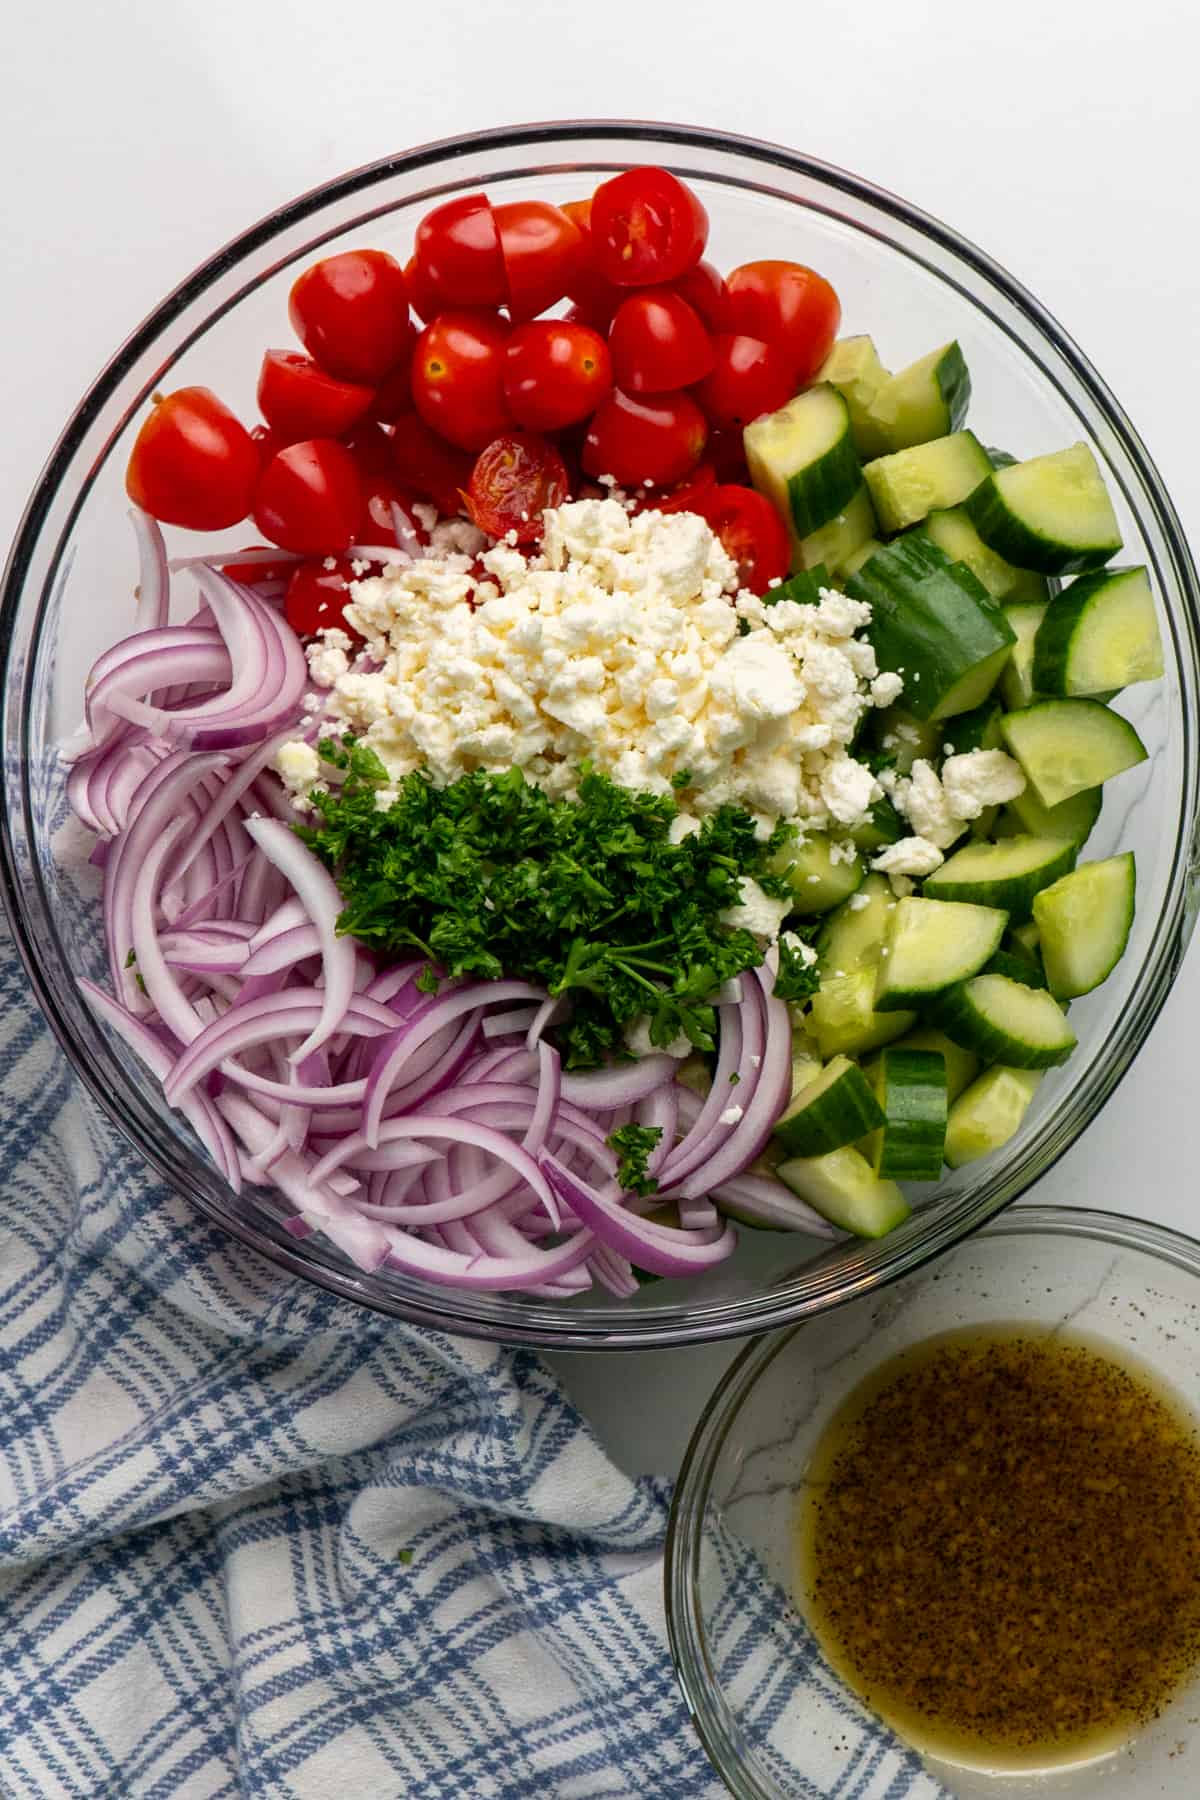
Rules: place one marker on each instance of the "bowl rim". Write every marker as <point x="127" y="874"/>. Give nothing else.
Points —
<point x="689" y="1496"/>
<point x="883" y="1262"/>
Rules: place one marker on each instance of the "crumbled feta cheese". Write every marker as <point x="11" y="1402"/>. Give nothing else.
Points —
<point x="756" y="911"/>
<point x="857" y="902"/>
<point x="886" y="689"/>
<point x="327" y="661"/>
<point x="911" y="856"/>
<point x="731" y="1115"/>
<point x="796" y="944"/>
<point x="297" y="765"/>
<point x="980" y="778"/>
<point x="922" y="799"/>
<point x="637" y="1037"/>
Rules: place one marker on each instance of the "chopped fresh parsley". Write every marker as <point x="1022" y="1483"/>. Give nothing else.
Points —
<point x="633" y="1145"/>
<point x="490" y="876"/>
<point x="796" y="979"/>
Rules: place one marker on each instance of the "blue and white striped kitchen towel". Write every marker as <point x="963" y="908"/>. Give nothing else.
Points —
<point x="256" y="1542"/>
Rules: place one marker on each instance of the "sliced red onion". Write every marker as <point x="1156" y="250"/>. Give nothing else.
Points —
<point x="549" y="1093"/>
<point x="503" y="1024"/>
<point x="192" y="951"/>
<point x="624" y="1084"/>
<point x="275" y="1016"/>
<point x="317" y="891"/>
<point x="406" y="533"/>
<point x="659" y="1249"/>
<point x="552" y="1009"/>
<point x="147" y="664"/>
<point x="696" y="1213"/>
<point x="769" y="1203"/>
<point x="660" y="1111"/>
<point x="231" y="792"/>
<point x="763" y="1106"/>
<point x="283" y="951"/>
<point x="290" y="913"/>
<point x="613" y="1272"/>
<point x="154" y="587"/>
<point x="686" y="1156"/>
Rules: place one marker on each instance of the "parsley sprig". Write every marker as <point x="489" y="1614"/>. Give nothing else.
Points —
<point x="633" y="1145"/>
<point x="490" y="876"/>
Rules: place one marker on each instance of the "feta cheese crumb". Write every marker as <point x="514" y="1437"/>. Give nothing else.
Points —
<point x="796" y="944"/>
<point x="756" y="911"/>
<point x="297" y="765"/>
<point x="857" y="902"/>
<point x="886" y="689"/>
<point x="637" y="1038"/>
<point x="980" y="778"/>
<point x="731" y="1115"/>
<point x="911" y="856"/>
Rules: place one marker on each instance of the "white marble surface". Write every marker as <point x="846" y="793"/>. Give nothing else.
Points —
<point x="137" y="136"/>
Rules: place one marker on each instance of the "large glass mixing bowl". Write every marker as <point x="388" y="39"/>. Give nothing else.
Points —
<point x="903" y="277"/>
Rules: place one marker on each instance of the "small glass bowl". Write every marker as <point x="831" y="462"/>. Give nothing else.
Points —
<point x="777" y="1721"/>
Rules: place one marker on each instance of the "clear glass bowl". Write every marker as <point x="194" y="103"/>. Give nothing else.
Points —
<point x="777" y="1721"/>
<point x="902" y="276"/>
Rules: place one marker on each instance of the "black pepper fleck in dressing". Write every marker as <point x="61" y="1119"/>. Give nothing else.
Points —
<point x="999" y="1546"/>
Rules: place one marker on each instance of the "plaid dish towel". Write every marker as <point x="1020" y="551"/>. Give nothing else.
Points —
<point x="256" y="1542"/>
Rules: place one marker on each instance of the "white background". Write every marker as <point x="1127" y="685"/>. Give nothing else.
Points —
<point x="1061" y="135"/>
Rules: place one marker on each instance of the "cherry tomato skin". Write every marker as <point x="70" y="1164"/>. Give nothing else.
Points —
<point x="298" y="399"/>
<point x="429" y="465"/>
<point x="422" y="295"/>
<point x="726" y="450"/>
<point x="789" y="306"/>
<point x="595" y="299"/>
<point x="378" y="524"/>
<point x="657" y="438"/>
<point x="193" y="463"/>
<point x="459" y="256"/>
<point x="262" y="570"/>
<point x="685" y="497"/>
<point x="514" y="479"/>
<point x="350" y="312"/>
<point x="268" y="443"/>
<point x="555" y="373"/>
<point x="541" y="246"/>
<point x="310" y="498"/>
<point x="458" y="377"/>
<point x="646" y="227"/>
<point x="658" y="343"/>
<point x="371" y="447"/>
<point x="752" y="532"/>
<point x="705" y="292"/>
<point x="316" y="598"/>
<point x="748" y="378"/>
<point x="393" y="396"/>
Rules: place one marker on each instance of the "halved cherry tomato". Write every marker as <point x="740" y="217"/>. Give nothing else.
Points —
<point x="541" y="246"/>
<point x="646" y="227"/>
<point x="555" y="373"/>
<point x="705" y="292"/>
<point x="684" y="497"/>
<point x="371" y="447"/>
<point x="261" y="569"/>
<point x="316" y="597"/>
<point x="458" y="254"/>
<point x="268" y="443"/>
<point x="428" y="464"/>
<point x="458" y="377"/>
<point x="298" y="399"/>
<point x="657" y="343"/>
<point x="653" y="438"/>
<point x="512" y="483"/>
<point x="193" y="463"/>
<point x="726" y="451"/>
<point x="350" y="312"/>
<point x="393" y="396"/>
<point x="751" y="531"/>
<point x="422" y="295"/>
<point x="748" y="378"/>
<point x="789" y="306"/>
<point x="309" y="497"/>
<point x="378" y="524"/>
<point x="595" y="299"/>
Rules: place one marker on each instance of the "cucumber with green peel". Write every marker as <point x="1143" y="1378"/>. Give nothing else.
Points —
<point x="844" y="1188"/>
<point x="962" y="1066"/>
<point x="882" y="825"/>
<point x="1005" y="875"/>
<point x="835" y="1108"/>
<point x="926" y="400"/>
<point x="803" y="458"/>
<point x="854" y="369"/>
<point x="934" y="624"/>
<point x="988" y="1113"/>
<point x="1100" y="635"/>
<point x="1051" y="513"/>
<point x="904" y="738"/>
<point x="1025" y="939"/>
<point x="1000" y="459"/>
<point x="1016" y="679"/>
<point x="1085" y="920"/>
<point x="818" y="872"/>
<point x="1074" y="819"/>
<point x="978" y="729"/>
<point x="1004" y="1021"/>
<point x="1017" y="968"/>
<point x="953" y="532"/>
<point x="844" y="1017"/>
<point x="931" y="944"/>
<point x="803" y="586"/>
<point x="1064" y="746"/>
<point x="909" y="484"/>
<point x="851" y="564"/>
<point x="835" y="543"/>
<point x="912" y="1092"/>
<point x="853" y="936"/>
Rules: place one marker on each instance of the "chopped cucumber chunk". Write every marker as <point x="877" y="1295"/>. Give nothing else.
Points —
<point x="819" y="872"/>
<point x="803" y="458"/>
<point x="852" y="937"/>
<point x="837" y="542"/>
<point x="1052" y="513"/>
<point x="1074" y="818"/>
<point x="1101" y="634"/>
<point x="1016" y="967"/>
<point x="1006" y="875"/>
<point x="926" y="400"/>
<point x="1005" y="1021"/>
<point x="1065" y="746"/>
<point x="882" y="825"/>
<point x="931" y="944"/>
<point x="1016" y="681"/>
<point x="978" y="729"/>
<point x="844" y="1016"/>
<point x="845" y="1189"/>
<point x="912" y="1090"/>
<point x="988" y="1113"/>
<point x="909" y="484"/>
<point x="953" y="532"/>
<point x="961" y="1065"/>
<point x="1085" y="920"/>
<point x="905" y="738"/>
<point x="854" y="369"/>
<point x="835" y="1108"/>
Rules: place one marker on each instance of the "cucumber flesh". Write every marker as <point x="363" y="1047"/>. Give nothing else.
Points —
<point x="978" y="729"/>
<point x="1007" y="874"/>
<point x="988" y="1113"/>
<point x="909" y="484"/>
<point x="905" y="738"/>
<point x="844" y="1016"/>
<point x="926" y="400"/>
<point x="835" y="1108"/>
<point x="1064" y="746"/>
<point x="803" y="458"/>
<point x="1074" y="819"/>
<point x="853" y="936"/>
<point x="1005" y="1021"/>
<point x="954" y="533"/>
<point x="1016" y="681"/>
<point x="912" y="1087"/>
<point x="962" y="1066"/>
<point x="1084" y="921"/>
<point x="819" y="873"/>
<point x="1051" y="514"/>
<point x="837" y="542"/>
<point x="882" y="825"/>
<point x="931" y="944"/>
<point x="845" y="1189"/>
<point x="854" y="369"/>
<point x="1100" y="635"/>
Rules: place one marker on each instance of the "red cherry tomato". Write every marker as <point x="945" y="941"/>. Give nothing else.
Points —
<point x="751" y="531"/>
<point x="658" y="342"/>
<point x="393" y="396"/>
<point x="512" y="483"/>
<point x="726" y="450"/>
<point x="378" y="523"/>
<point x="429" y="465"/>
<point x="458" y="377"/>
<point x="646" y="227"/>
<point x="299" y="400"/>
<point x="268" y="443"/>
<point x="422" y="295"/>
<point x="371" y="447"/>
<point x="260" y="569"/>
<point x="657" y="438"/>
<point x="789" y="306"/>
<point x="686" y="495"/>
<point x="555" y="373"/>
<point x="309" y="497"/>
<point x="193" y="463"/>
<point x="748" y="378"/>
<point x="458" y="255"/>
<point x="541" y="246"/>
<point x="595" y="299"/>
<point x="350" y="311"/>
<point x="705" y="292"/>
<point x="316" y="597"/>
